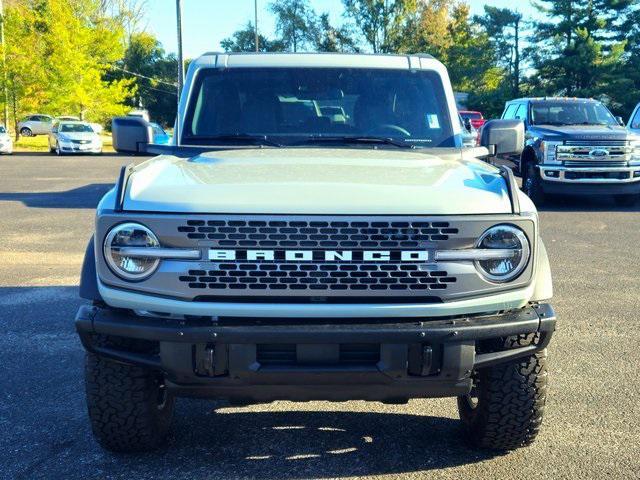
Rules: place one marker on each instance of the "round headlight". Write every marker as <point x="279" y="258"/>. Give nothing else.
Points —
<point x="512" y="259"/>
<point x="130" y="235"/>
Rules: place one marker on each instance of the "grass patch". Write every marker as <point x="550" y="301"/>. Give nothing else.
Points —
<point x="40" y="144"/>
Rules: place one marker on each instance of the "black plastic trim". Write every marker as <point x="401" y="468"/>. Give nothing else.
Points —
<point x="512" y="185"/>
<point x="121" y="186"/>
<point x="88" y="276"/>
<point x="540" y="318"/>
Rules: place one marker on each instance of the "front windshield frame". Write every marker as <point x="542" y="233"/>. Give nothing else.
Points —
<point x="595" y="113"/>
<point x="71" y="128"/>
<point x="438" y="118"/>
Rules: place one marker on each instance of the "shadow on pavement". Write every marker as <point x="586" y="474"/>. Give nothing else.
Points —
<point x="87" y="196"/>
<point x="295" y="445"/>
<point x="48" y="429"/>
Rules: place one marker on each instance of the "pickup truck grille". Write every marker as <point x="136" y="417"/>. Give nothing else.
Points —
<point x="317" y="234"/>
<point x="594" y="153"/>
<point x="310" y="277"/>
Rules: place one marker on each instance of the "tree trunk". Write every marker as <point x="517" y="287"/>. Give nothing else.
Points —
<point x="14" y="105"/>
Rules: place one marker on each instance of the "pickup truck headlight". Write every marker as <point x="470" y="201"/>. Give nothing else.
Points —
<point x="514" y="252"/>
<point x="133" y="268"/>
<point x="549" y="151"/>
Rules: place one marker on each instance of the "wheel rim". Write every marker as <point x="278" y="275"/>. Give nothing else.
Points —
<point x="26" y="132"/>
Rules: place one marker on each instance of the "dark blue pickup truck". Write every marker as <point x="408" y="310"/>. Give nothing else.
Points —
<point x="575" y="146"/>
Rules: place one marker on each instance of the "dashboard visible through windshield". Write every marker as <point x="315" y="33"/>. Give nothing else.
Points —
<point x="300" y="106"/>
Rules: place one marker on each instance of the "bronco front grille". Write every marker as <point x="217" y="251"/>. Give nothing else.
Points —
<point x="310" y="277"/>
<point x="317" y="234"/>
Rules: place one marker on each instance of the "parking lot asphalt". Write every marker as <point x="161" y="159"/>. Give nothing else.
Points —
<point x="592" y="423"/>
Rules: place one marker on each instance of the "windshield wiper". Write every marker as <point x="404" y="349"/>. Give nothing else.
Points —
<point x="364" y="140"/>
<point x="241" y="137"/>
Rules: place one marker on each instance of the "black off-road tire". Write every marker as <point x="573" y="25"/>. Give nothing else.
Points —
<point x="505" y="410"/>
<point x="532" y="184"/>
<point x="129" y="408"/>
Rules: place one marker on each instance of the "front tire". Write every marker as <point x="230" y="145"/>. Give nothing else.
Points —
<point x="129" y="407"/>
<point x="505" y="408"/>
<point x="26" y="132"/>
<point x="532" y="184"/>
<point x="58" y="150"/>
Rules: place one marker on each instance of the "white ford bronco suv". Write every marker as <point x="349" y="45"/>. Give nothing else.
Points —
<point x="316" y="231"/>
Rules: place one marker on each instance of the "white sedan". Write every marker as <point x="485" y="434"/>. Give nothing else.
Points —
<point x="6" y="143"/>
<point x="74" y="137"/>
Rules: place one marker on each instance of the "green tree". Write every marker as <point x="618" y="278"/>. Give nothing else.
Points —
<point x="333" y="39"/>
<point x="504" y="29"/>
<point x="295" y="23"/>
<point x="574" y="50"/>
<point x="58" y="53"/>
<point x="244" y="40"/>
<point x="154" y="75"/>
<point x="381" y="22"/>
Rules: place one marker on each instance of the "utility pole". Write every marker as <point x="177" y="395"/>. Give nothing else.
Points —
<point x="5" y="89"/>
<point x="180" y="59"/>
<point x="255" y="4"/>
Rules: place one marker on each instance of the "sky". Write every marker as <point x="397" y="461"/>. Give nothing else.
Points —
<point x="206" y="22"/>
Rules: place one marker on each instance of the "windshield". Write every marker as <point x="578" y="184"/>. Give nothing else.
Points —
<point x="571" y="113"/>
<point x="75" y="128"/>
<point x="294" y="105"/>
<point x="3" y="130"/>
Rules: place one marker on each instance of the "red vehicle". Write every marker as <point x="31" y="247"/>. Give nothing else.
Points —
<point x="476" y="118"/>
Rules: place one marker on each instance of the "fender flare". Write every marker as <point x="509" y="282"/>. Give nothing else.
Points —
<point x="88" y="275"/>
<point x="543" y="289"/>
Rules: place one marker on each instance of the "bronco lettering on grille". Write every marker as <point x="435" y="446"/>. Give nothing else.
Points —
<point x="335" y="256"/>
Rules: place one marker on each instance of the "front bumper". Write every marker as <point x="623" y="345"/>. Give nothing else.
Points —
<point x="76" y="148"/>
<point x="256" y="360"/>
<point x="558" y="179"/>
<point x="6" y="148"/>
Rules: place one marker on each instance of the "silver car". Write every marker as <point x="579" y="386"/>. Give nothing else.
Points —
<point x="6" y="143"/>
<point x="74" y="137"/>
<point x="35" y="125"/>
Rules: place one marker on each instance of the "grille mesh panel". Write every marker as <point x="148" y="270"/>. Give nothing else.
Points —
<point x="325" y="277"/>
<point x="316" y="234"/>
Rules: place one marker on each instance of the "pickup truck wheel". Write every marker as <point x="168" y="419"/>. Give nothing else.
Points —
<point x="505" y="407"/>
<point x="625" y="200"/>
<point x="129" y="407"/>
<point x="531" y="184"/>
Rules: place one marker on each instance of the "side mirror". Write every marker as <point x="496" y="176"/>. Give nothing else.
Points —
<point x="131" y="134"/>
<point x="620" y="121"/>
<point x="503" y="137"/>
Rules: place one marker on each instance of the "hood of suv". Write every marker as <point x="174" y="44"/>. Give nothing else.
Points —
<point x="581" y="132"/>
<point x="318" y="181"/>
